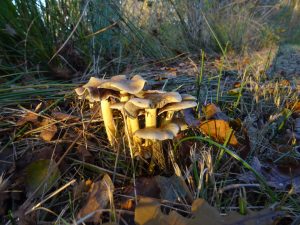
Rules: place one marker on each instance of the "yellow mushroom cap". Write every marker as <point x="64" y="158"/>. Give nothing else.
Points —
<point x="178" y="106"/>
<point x="120" y="83"/>
<point x="168" y="131"/>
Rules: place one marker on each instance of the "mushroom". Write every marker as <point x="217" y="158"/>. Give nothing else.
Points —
<point x="110" y="127"/>
<point x="168" y="131"/>
<point x="172" y="107"/>
<point x="92" y="83"/>
<point x="133" y="121"/>
<point x="94" y="94"/>
<point x="151" y="102"/>
<point x="124" y="86"/>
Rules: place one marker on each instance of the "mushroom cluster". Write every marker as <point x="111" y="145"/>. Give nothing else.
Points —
<point x="148" y="114"/>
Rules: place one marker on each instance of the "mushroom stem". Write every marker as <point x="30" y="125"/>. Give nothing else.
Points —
<point x="151" y="117"/>
<point x="108" y="120"/>
<point x="124" y="98"/>
<point x="134" y="126"/>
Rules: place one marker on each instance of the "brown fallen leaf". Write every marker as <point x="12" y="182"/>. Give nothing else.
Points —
<point x="211" y="111"/>
<point x="48" y="131"/>
<point x="65" y="117"/>
<point x="100" y="195"/>
<point x="28" y="117"/>
<point x="159" y="187"/>
<point x="85" y="154"/>
<point x="148" y="212"/>
<point x="277" y="177"/>
<point x="220" y="131"/>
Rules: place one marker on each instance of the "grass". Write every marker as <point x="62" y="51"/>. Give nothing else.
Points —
<point x="50" y="47"/>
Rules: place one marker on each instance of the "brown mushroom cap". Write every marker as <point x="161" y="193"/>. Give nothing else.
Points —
<point x="178" y="106"/>
<point x="120" y="83"/>
<point x="168" y="131"/>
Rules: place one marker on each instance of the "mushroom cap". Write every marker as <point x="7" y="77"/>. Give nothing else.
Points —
<point x="152" y="100"/>
<point x="132" y="110"/>
<point x="93" y="82"/>
<point x="119" y="106"/>
<point x="178" y="106"/>
<point x="168" y="131"/>
<point x="94" y="94"/>
<point x="142" y="93"/>
<point x="187" y="97"/>
<point x="155" y="99"/>
<point x="120" y="83"/>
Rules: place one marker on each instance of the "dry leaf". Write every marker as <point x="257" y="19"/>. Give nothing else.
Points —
<point x="190" y="119"/>
<point x="211" y="111"/>
<point x="159" y="187"/>
<point x="65" y="117"/>
<point x="220" y="131"/>
<point x="173" y="187"/>
<point x="148" y="212"/>
<point x="277" y="177"/>
<point x="100" y="195"/>
<point x="85" y="154"/>
<point x="48" y="131"/>
<point x="28" y="117"/>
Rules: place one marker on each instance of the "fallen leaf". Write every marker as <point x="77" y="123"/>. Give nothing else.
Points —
<point x="166" y="188"/>
<point x="148" y="212"/>
<point x="190" y="119"/>
<point x="49" y="130"/>
<point x="37" y="171"/>
<point x="211" y="111"/>
<point x="100" y="195"/>
<point x="28" y="117"/>
<point x="220" y="131"/>
<point x="277" y="177"/>
<point x="172" y="188"/>
<point x="65" y="117"/>
<point x="85" y="154"/>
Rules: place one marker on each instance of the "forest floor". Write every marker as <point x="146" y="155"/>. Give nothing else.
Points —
<point x="256" y="96"/>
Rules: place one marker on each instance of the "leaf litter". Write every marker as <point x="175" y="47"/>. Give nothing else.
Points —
<point x="148" y="212"/>
<point x="165" y="188"/>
